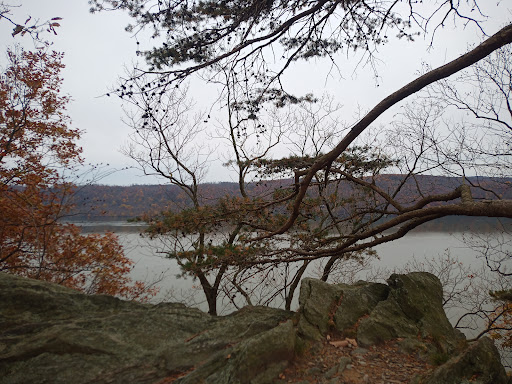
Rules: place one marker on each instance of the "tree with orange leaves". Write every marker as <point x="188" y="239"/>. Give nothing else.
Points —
<point x="36" y="147"/>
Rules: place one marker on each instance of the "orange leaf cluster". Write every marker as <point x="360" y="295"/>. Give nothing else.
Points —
<point x="500" y="324"/>
<point x="36" y="144"/>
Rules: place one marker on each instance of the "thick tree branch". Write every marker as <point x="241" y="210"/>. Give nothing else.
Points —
<point x="403" y="223"/>
<point x="498" y="40"/>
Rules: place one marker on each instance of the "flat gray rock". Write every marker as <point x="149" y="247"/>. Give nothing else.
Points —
<point x="51" y="334"/>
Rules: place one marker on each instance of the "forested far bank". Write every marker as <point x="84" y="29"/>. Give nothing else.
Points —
<point x="119" y="203"/>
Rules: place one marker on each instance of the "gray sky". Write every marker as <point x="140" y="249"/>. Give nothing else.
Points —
<point x="97" y="49"/>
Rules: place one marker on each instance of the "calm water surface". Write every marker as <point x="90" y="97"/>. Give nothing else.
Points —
<point x="151" y="264"/>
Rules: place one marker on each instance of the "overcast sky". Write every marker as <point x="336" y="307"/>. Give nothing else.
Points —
<point x="97" y="49"/>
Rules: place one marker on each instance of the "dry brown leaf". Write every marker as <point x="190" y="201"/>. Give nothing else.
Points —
<point x="339" y="343"/>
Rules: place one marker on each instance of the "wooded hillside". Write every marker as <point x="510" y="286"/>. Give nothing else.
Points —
<point x="108" y="202"/>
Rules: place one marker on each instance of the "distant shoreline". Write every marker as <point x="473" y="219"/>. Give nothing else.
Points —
<point x="95" y="224"/>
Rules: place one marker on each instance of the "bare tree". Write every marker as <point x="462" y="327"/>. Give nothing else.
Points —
<point x="340" y="202"/>
<point x="165" y="142"/>
<point x="236" y="36"/>
<point x="347" y="211"/>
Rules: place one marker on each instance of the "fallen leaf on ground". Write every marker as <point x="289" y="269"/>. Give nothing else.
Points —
<point x="339" y="343"/>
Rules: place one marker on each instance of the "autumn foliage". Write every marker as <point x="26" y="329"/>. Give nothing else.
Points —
<point x="37" y="147"/>
<point x="499" y="323"/>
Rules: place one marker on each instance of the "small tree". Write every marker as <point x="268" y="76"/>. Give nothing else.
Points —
<point x="164" y="143"/>
<point x="36" y="146"/>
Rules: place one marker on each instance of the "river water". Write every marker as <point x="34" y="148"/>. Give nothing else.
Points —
<point x="416" y="247"/>
<point x="450" y="255"/>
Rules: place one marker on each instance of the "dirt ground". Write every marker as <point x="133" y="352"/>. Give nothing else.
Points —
<point x="340" y="362"/>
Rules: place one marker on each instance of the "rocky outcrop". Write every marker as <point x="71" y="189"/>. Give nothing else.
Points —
<point x="409" y="307"/>
<point x="326" y="307"/>
<point x="479" y="363"/>
<point x="413" y="310"/>
<point x="51" y="334"/>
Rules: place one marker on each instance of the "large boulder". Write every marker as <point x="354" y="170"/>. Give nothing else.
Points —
<point x="356" y="302"/>
<point x="51" y="334"/>
<point x="316" y="301"/>
<point x="479" y="363"/>
<point x="408" y="307"/>
<point x="412" y="310"/>
<point x="328" y="307"/>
